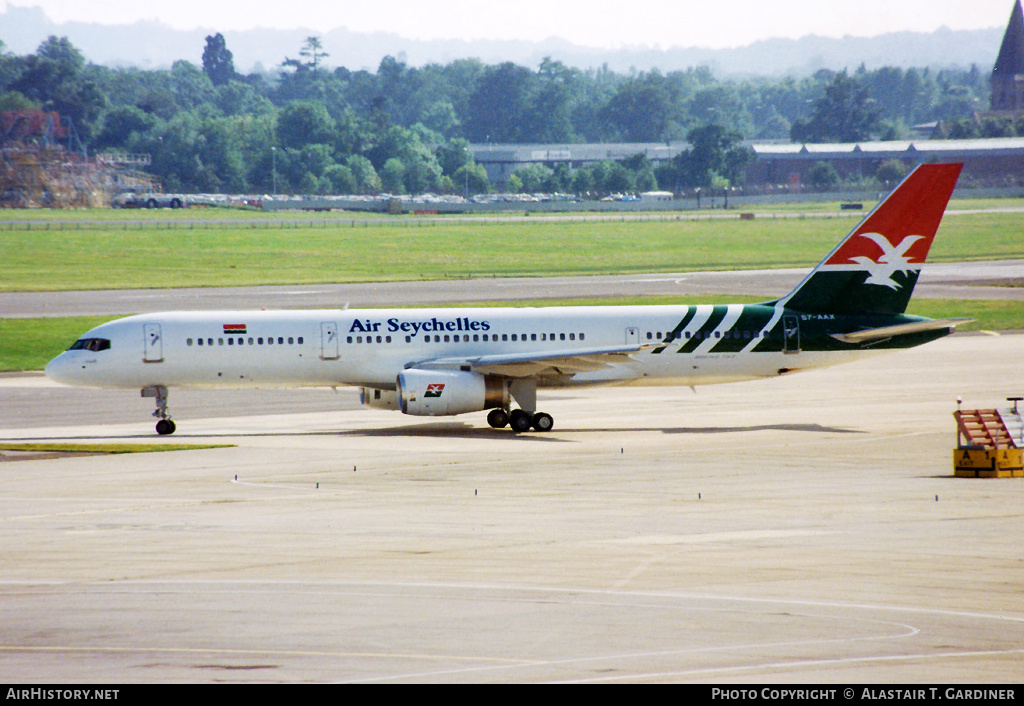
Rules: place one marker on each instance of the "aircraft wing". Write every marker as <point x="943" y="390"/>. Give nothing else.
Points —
<point x="548" y="363"/>
<point x="877" y="334"/>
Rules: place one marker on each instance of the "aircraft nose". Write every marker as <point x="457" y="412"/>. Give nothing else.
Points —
<point x="60" y="370"/>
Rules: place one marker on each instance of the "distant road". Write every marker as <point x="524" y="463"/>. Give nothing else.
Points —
<point x="974" y="280"/>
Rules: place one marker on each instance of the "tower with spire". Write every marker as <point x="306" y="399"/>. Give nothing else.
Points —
<point x="1008" y="73"/>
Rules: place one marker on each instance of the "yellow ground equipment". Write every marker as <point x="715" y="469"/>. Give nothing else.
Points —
<point x="989" y="442"/>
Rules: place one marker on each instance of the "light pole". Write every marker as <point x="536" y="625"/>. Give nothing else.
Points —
<point x="273" y="159"/>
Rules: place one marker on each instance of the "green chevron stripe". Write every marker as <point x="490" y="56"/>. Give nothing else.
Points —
<point x="717" y="314"/>
<point x="750" y="322"/>
<point x="677" y="331"/>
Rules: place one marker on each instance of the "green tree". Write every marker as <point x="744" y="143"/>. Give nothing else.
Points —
<point x="890" y="171"/>
<point x="367" y="180"/>
<point x="341" y="178"/>
<point x="823" y="176"/>
<point x="55" y="78"/>
<point x="392" y="176"/>
<point x="496" y="109"/>
<point x="715" y="151"/>
<point x="471" y="179"/>
<point x="454" y="155"/>
<point x="191" y="86"/>
<point x="641" y="110"/>
<point x="218" y="62"/>
<point x="535" y="178"/>
<point x="303" y="123"/>
<point x="120" y="124"/>
<point x="313" y="51"/>
<point x="845" y="113"/>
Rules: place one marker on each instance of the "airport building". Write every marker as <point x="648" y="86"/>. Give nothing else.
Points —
<point x="991" y="162"/>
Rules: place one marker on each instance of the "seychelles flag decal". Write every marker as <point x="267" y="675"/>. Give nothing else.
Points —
<point x="434" y="389"/>
<point x="236" y="329"/>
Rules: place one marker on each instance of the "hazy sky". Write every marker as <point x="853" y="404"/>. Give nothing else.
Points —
<point x="599" y="23"/>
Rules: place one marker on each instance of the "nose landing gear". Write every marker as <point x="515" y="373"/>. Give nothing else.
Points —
<point x="165" y="426"/>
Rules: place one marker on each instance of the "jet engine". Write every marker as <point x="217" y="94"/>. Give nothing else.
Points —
<point x="442" y="392"/>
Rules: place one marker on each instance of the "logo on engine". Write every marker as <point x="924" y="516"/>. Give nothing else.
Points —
<point x="434" y="390"/>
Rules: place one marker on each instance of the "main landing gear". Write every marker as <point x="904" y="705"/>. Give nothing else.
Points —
<point x="524" y="390"/>
<point x="165" y="426"/>
<point x="520" y="420"/>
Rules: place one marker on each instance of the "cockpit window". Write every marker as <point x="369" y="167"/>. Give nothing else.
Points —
<point x="90" y="344"/>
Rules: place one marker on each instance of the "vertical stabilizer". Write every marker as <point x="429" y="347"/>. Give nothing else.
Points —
<point x="874" y="269"/>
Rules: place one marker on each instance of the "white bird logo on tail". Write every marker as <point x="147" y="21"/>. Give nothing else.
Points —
<point x="892" y="260"/>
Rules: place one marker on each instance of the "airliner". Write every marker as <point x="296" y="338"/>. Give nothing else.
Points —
<point x="437" y="362"/>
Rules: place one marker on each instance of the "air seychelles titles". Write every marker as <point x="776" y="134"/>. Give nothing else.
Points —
<point x="394" y="325"/>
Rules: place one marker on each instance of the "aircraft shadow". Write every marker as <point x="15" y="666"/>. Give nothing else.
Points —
<point x="460" y="431"/>
<point x="810" y="428"/>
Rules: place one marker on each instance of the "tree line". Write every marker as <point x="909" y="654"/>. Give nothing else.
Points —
<point x="308" y="127"/>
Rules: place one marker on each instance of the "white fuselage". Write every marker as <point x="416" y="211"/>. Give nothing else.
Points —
<point x="371" y="347"/>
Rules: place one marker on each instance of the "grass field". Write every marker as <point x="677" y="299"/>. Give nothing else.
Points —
<point x="215" y="256"/>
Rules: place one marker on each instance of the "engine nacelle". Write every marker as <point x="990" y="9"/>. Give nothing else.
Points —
<point x="379" y="399"/>
<point x="443" y="392"/>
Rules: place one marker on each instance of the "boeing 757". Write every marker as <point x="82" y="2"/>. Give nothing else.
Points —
<point x="436" y="362"/>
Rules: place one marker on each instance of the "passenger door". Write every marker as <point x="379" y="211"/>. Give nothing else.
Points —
<point x="154" y="343"/>
<point x="329" y="349"/>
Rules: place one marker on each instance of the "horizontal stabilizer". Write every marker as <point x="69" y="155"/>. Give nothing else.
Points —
<point x="876" y="334"/>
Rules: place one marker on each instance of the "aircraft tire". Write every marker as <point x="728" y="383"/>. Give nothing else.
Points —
<point x="497" y="418"/>
<point x="520" y="421"/>
<point x="165" y="427"/>
<point x="542" y="421"/>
